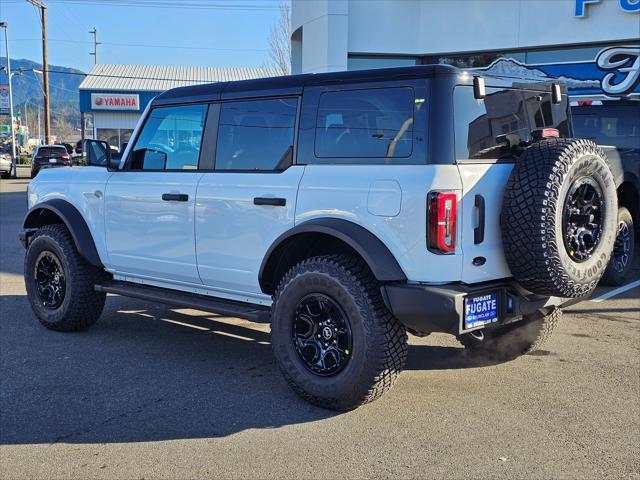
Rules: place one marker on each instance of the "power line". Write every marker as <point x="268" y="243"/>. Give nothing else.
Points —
<point x="172" y="4"/>
<point x="146" y="45"/>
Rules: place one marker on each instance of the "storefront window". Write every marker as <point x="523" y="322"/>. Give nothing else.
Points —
<point x="355" y="62"/>
<point x="125" y="136"/>
<point x="109" y="135"/>
<point x="562" y="55"/>
<point x="475" y="60"/>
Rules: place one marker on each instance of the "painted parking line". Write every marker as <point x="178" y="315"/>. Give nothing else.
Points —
<point x="616" y="291"/>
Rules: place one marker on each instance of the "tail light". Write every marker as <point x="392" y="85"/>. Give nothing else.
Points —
<point x="66" y="156"/>
<point x="542" y="133"/>
<point x="442" y="209"/>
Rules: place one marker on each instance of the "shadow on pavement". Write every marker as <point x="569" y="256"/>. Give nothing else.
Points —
<point x="145" y="372"/>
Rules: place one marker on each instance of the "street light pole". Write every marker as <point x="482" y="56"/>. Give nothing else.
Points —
<point x="5" y="25"/>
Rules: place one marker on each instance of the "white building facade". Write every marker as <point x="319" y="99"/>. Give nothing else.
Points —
<point x="561" y="37"/>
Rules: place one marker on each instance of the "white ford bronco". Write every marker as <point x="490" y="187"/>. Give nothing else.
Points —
<point x="346" y="209"/>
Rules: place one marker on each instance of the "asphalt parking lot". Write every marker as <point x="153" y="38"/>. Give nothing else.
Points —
<point x="155" y="392"/>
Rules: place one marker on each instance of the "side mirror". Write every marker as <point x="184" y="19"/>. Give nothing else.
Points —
<point x="96" y="153"/>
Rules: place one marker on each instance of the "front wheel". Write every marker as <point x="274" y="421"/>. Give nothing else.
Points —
<point x="512" y="340"/>
<point x="333" y="338"/>
<point x="60" y="283"/>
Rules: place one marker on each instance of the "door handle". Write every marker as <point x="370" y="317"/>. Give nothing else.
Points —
<point x="276" y="202"/>
<point x="478" y="232"/>
<point x="175" y="197"/>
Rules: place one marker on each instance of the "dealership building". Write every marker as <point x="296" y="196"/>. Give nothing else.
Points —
<point x="593" y="44"/>
<point x="113" y="97"/>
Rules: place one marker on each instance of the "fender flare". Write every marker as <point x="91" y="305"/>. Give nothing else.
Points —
<point x="72" y="219"/>
<point x="376" y="254"/>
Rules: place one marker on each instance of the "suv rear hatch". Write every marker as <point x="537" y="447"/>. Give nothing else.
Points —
<point x="490" y="134"/>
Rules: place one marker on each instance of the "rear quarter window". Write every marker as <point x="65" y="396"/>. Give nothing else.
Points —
<point x="367" y="126"/>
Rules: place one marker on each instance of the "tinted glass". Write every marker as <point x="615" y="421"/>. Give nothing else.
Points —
<point x="364" y="63"/>
<point x="376" y="123"/>
<point x="256" y="134"/>
<point x="617" y="126"/>
<point x="170" y="139"/>
<point x="488" y="128"/>
<point x="51" y="151"/>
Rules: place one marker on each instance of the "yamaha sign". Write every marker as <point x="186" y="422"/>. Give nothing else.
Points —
<point x="115" y="101"/>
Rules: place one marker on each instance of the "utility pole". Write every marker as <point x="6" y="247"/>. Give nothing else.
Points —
<point x="45" y="68"/>
<point x="14" y="159"/>
<point x="94" y="32"/>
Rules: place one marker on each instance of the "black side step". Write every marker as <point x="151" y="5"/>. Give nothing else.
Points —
<point x="229" y="308"/>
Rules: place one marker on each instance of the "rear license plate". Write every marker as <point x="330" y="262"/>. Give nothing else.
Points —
<point x="53" y="160"/>
<point x="480" y="310"/>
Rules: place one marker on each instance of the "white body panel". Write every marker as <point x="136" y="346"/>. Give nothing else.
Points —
<point x="146" y="235"/>
<point x="345" y="191"/>
<point x="232" y="234"/>
<point x="489" y="181"/>
<point x="83" y="187"/>
<point x="215" y="242"/>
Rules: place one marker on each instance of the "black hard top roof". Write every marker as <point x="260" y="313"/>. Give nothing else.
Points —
<point x="293" y="84"/>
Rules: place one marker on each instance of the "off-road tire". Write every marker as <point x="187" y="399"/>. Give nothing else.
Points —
<point x="533" y="212"/>
<point x="619" y="267"/>
<point x="82" y="305"/>
<point x="379" y="340"/>
<point x="512" y="340"/>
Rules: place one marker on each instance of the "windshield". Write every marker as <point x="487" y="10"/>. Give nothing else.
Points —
<point x="610" y="125"/>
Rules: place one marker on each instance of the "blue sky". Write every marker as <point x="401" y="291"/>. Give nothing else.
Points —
<point x="209" y="26"/>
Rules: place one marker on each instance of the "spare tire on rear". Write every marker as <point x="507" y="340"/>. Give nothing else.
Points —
<point x="559" y="217"/>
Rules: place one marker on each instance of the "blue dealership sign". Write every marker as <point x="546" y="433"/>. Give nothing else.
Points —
<point x="628" y="6"/>
<point x="614" y="72"/>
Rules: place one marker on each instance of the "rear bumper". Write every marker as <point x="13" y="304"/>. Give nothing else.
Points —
<point x="440" y="308"/>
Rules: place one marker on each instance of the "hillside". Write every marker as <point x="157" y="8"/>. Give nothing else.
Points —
<point x="63" y="90"/>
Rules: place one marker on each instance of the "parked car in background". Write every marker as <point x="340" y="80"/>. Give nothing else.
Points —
<point x="615" y="126"/>
<point x="48" y="156"/>
<point x="5" y="164"/>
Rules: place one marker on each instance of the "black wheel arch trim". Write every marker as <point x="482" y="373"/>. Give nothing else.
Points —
<point x="72" y="219"/>
<point x="376" y="255"/>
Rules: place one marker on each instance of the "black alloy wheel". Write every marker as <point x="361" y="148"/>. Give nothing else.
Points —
<point x="622" y="249"/>
<point x="50" y="280"/>
<point x="322" y="335"/>
<point x="582" y="218"/>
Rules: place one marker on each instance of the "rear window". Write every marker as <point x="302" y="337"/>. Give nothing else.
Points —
<point x="485" y="128"/>
<point x="610" y="125"/>
<point x="365" y="124"/>
<point x="52" y="151"/>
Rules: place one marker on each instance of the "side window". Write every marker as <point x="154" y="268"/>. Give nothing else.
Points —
<point x="170" y="139"/>
<point x="374" y="123"/>
<point x="256" y="134"/>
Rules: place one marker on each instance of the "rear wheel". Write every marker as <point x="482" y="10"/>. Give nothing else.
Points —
<point x="333" y="338"/>
<point x="623" y="250"/>
<point x="513" y="340"/>
<point x="60" y="283"/>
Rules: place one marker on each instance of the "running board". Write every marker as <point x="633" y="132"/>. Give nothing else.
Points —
<point x="228" y="308"/>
